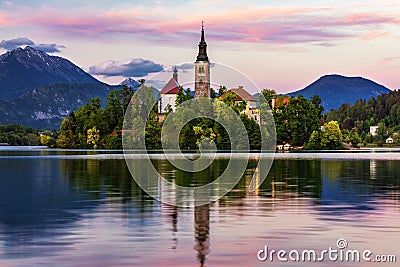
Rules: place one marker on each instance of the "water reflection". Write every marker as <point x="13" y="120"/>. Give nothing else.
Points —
<point x="202" y="231"/>
<point x="52" y="208"/>
<point x="171" y="213"/>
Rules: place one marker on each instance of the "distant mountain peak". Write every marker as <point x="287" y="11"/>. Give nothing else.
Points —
<point x="23" y="69"/>
<point x="335" y="90"/>
<point x="130" y="83"/>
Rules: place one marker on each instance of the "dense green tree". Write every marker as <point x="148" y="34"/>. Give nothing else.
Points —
<point x="331" y="136"/>
<point x="221" y="90"/>
<point x="352" y="136"/>
<point x="126" y="95"/>
<point x="153" y="132"/>
<point x="315" y="141"/>
<point x="253" y="132"/>
<point x="383" y="110"/>
<point x="213" y="94"/>
<point x="74" y="130"/>
<point x="182" y="96"/>
<point x="93" y="138"/>
<point x="48" y="141"/>
<point x="204" y="136"/>
<point x="269" y="95"/>
<point x="19" y="135"/>
<point x="297" y="119"/>
<point x="230" y="100"/>
<point x="114" y="110"/>
<point x="168" y="109"/>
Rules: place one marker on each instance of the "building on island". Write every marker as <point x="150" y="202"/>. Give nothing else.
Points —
<point x="168" y="94"/>
<point x="373" y="130"/>
<point x="242" y="96"/>
<point x="279" y="101"/>
<point x="202" y="69"/>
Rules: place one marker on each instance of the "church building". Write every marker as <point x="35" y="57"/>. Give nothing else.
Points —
<point x="168" y="94"/>
<point x="202" y="69"/>
<point x="201" y="77"/>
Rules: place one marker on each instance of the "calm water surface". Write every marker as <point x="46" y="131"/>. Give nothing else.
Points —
<point x="58" y="210"/>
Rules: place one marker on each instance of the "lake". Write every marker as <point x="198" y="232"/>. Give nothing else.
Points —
<point x="82" y="208"/>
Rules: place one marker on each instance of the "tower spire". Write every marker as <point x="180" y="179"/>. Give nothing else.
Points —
<point x="202" y="56"/>
<point x="202" y="69"/>
<point x="202" y="32"/>
<point x="175" y="75"/>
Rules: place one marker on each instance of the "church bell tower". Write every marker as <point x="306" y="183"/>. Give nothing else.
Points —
<point x="202" y="69"/>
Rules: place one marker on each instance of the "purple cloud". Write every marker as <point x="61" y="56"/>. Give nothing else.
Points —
<point x="14" y="43"/>
<point x="265" y="25"/>
<point x="135" y="67"/>
<point x="49" y="48"/>
<point x="23" y="41"/>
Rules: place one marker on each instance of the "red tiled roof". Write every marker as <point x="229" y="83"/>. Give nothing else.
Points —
<point x="171" y="88"/>
<point x="241" y="94"/>
<point x="114" y="133"/>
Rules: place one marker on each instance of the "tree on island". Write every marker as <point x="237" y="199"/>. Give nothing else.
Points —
<point x="296" y="118"/>
<point x="330" y="137"/>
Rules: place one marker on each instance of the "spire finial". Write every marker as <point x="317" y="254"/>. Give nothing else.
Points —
<point x="202" y="40"/>
<point x="175" y="75"/>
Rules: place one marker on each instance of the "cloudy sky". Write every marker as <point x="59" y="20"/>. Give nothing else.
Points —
<point x="283" y="45"/>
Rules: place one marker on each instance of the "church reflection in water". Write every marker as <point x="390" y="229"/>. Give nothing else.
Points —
<point x="202" y="232"/>
<point x="201" y="229"/>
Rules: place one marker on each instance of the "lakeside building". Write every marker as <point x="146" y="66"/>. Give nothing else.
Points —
<point x="373" y="130"/>
<point x="169" y="92"/>
<point x="242" y="96"/>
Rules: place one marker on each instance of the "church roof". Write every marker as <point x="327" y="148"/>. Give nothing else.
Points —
<point x="242" y="94"/>
<point x="171" y="88"/>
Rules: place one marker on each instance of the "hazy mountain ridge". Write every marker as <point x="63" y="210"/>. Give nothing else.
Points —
<point x="45" y="106"/>
<point x="336" y="90"/>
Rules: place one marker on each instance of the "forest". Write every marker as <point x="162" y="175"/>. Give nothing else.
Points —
<point x="19" y="135"/>
<point x="382" y="111"/>
<point x="94" y="126"/>
<point x="299" y="122"/>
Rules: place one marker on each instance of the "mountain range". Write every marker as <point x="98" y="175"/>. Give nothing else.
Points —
<point x="39" y="90"/>
<point x="22" y="70"/>
<point x="336" y="90"/>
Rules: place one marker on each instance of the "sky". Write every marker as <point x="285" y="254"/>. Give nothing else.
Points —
<point x="281" y="45"/>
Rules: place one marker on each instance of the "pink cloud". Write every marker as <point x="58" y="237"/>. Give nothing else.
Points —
<point x="5" y="19"/>
<point x="375" y="35"/>
<point x="265" y="25"/>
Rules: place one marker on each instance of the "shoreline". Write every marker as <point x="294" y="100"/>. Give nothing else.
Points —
<point x="321" y="155"/>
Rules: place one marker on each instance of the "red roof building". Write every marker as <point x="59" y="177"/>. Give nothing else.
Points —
<point x="171" y="88"/>
<point x="168" y="94"/>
